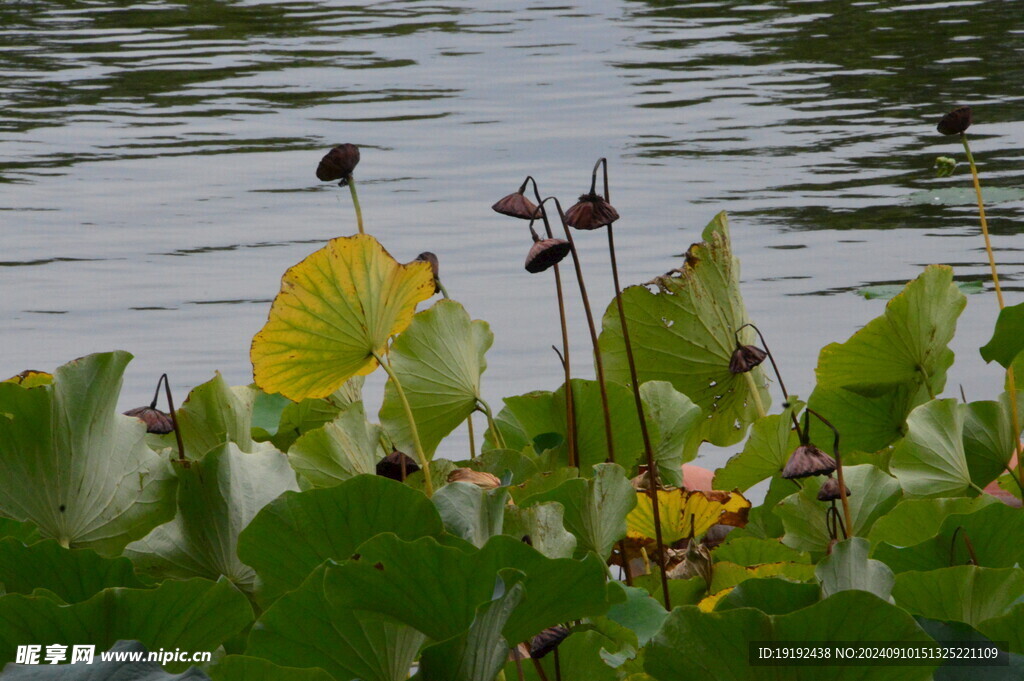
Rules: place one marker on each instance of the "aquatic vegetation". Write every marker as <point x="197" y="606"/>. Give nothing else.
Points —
<point x="283" y="525"/>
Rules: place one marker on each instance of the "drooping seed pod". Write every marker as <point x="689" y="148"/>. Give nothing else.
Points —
<point x="428" y="257"/>
<point x="547" y="640"/>
<point x="156" y="421"/>
<point x="808" y="460"/>
<point x="478" y="478"/>
<point x="746" y="357"/>
<point x="956" y="121"/>
<point x="546" y="253"/>
<point x="516" y="205"/>
<point x="591" y="212"/>
<point x="830" y="490"/>
<point x="391" y="466"/>
<point x="338" y="163"/>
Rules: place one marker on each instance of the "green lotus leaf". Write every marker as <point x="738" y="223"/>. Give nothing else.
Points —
<point x="24" y="532"/>
<point x="867" y="423"/>
<point x="215" y="413"/>
<point x="499" y="462"/>
<point x="672" y="422"/>
<point x="438" y="360"/>
<point x="746" y="550"/>
<point x="72" y="574"/>
<point x="765" y="453"/>
<point x="73" y="466"/>
<point x="762" y="521"/>
<point x="957" y="634"/>
<point x="541" y="483"/>
<point x="848" y="567"/>
<point x="308" y="627"/>
<point x="194" y="614"/>
<point x="544" y="525"/>
<point x="873" y="493"/>
<point x="1008" y="627"/>
<point x="685" y="334"/>
<point x="266" y="415"/>
<point x="336" y="310"/>
<point x="339" y="450"/>
<point x="440" y="597"/>
<point x="118" y="668"/>
<point x="912" y="521"/>
<point x="770" y="595"/>
<point x="580" y="658"/>
<point x="469" y="512"/>
<point x="479" y="653"/>
<point x="246" y="668"/>
<point x="988" y="437"/>
<point x="964" y="593"/>
<point x="695" y="644"/>
<point x="887" y="291"/>
<point x="906" y="345"/>
<point x="726" y="575"/>
<point x="595" y="508"/>
<point x="540" y="413"/>
<point x="1007" y="338"/>
<point x="639" y="613"/>
<point x="985" y="529"/>
<point x="298" y="531"/>
<point x="281" y="421"/>
<point x="930" y="461"/>
<point x="217" y="497"/>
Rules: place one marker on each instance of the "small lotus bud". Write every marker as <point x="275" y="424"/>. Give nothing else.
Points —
<point x="478" y="478"/>
<point x="518" y="206"/>
<point x="391" y="466"/>
<point x="547" y="640"/>
<point x="944" y="166"/>
<point x="830" y="490"/>
<point x="338" y="163"/>
<point x="746" y="357"/>
<point x="546" y="253"/>
<point x="956" y="121"/>
<point x="427" y="256"/>
<point x="156" y="421"/>
<point x="808" y="460"/>
<point x="591" y="212"/>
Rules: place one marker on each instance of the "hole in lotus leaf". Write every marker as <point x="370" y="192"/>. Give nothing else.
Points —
<point x="712" y="383"/>
<point x="378" y="566"/>
<point x="546" y="441"/>
<point x="62" y="508"/>
<point x="668" y="322"/>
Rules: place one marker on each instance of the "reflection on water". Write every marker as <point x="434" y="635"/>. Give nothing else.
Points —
<point x="157" y="158"/>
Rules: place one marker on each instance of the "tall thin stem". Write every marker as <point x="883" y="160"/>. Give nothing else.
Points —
<point x="570" y="400"/>
<point x="775" y="368"/>
<point x="172" y="412"/>
<point x="499" y="441"/>
<point x="654" y="479"/>
<point x="351" y="181"/>
<point x="1011" y="381"/>
<point x="472" y="441"/>
<point x="424" y="463"/>
<point x="839" y="469"/>
<point x="598" y="363"/>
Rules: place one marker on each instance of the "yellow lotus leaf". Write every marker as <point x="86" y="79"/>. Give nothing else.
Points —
<point x="686" y="514"/>
<point x="31" y="378"/>
<point x="336" y="309"/>
<point x="708" y="603"/>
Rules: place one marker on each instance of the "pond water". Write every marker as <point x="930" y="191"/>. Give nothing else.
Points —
<point x="157" y="162"/>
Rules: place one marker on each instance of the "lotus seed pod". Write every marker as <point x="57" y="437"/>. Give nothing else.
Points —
<point x="338" y="163"/>
<point x="808" y="460"/>
<point x="746" y="357"/>
<point x="391" y="466"/>
<point x="547" y="640"/>
<point x="830" y="490"/>
<point x="516" y="205"/>
<point x="956" y="121"/>
<point x="546" y="253"/>
<point x="156" y="421"/>
<point x="591" y="212"/>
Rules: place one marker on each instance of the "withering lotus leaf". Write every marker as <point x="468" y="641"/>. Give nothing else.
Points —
<point x="685" y="334"/>
<point x="31" y="378"/>
<point x="686" y="514"/>
<point x="335" y="310"/>
<point x="73" y="466"/>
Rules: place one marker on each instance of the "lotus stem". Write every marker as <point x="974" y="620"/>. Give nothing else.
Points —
<point x="848" y="530"/>
<point x="570" y="402"/>
<point x="967" y="543"/>
<point x="598" y="363"/>
<point x="472" y="441"/>
<point x="654" y="479"/>
<point x="499" y="441"/>
<point x="1011" y="381"/>
<point x="775" y="368"/>
<point x="355" y="202"/>
<point x="539" y="668"/>
<point x="442" y="289"/>
<point x="754" y="393"/>
<point x="424" y="463"/>
<point x="172" y="412"/>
